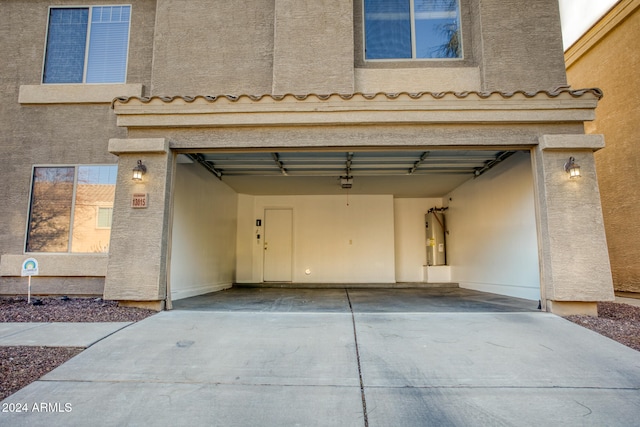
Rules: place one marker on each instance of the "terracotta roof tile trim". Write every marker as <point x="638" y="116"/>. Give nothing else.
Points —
<point x="576" y="93"/>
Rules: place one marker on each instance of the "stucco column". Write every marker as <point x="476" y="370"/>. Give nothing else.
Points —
<point x="574" y="261"/>
<point x="137" y="266"/>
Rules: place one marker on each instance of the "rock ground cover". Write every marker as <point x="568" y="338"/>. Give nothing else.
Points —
<point x="620" y="322"/>
<point x="22" y="365"/>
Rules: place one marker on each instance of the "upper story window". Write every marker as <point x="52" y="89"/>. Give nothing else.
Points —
<point x="87" y="44"/>
<point x="412" y="29"/>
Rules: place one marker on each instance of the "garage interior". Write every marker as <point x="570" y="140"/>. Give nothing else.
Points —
<point x="323" y="217"/>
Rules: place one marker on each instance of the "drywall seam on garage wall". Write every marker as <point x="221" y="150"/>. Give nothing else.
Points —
<point x="336" y="242"/>
<point x="492" y="243"/>
<point x="410" y="237"/>
<point x="204" y="233"/>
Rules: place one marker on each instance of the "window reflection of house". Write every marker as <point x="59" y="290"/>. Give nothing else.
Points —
<point x="50" y="215"/>
<point x="56" y="213"/>
<point x="91" y="230"/>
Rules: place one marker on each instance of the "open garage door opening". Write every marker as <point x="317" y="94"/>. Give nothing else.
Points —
<point x="355" y="218"/>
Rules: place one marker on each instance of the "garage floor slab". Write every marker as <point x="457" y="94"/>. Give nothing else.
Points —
<point x="337" y="300"/>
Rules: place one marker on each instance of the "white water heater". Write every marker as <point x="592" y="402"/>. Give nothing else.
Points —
<point x="435" y="234"/>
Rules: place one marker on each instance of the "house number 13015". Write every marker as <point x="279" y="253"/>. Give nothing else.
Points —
<point x="139" y="201"/>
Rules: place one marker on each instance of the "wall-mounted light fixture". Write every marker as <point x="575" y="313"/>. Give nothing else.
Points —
<point x="572" y="168"/>
<point x="138" y="171"/>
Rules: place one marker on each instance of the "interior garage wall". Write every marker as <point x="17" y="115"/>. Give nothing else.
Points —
<point x="336" y="242"/>
<point x="203" y="246"/>
<point x="492" y="242"/>
<point x="410" y="237"/>
<point x="247" y="271"/>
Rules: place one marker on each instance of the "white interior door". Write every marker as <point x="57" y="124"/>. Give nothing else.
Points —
<point x="278" y="225"/>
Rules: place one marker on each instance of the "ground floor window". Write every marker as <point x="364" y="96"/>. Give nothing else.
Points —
<point x="71" y="208"/>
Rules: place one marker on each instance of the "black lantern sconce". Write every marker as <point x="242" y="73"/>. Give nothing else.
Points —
<point x="138" y="171"/>
<point x="572" y="168"/>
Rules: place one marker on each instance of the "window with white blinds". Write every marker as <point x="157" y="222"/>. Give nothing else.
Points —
<point x="87" y="44"/>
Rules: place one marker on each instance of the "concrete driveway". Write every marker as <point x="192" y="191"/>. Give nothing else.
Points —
<point x="336" y="357"/>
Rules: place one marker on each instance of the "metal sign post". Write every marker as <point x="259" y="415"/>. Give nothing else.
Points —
<point x="29" y="268"/>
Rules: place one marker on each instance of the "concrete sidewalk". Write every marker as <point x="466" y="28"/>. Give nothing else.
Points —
<point x="57" y="334"/>
<point x="285" y="367"/>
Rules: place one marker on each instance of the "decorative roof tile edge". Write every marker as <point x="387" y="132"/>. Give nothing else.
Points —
<point x="576" y="93"/>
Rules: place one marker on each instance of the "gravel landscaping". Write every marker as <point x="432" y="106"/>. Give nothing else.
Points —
<point x="63" y="309"/>
<point x="620" y="322"/>
<point x="20" y="366"/>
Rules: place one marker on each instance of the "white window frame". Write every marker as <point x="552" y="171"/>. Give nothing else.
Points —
<point x="413" y="39"/>
<point x="86" y="48"/>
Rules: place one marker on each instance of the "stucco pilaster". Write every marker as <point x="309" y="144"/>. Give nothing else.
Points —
<point x="136" y="270"/>
<point x="322" y="60"/>
<point x="530" y="57"/>
<point x="574" y="262"/>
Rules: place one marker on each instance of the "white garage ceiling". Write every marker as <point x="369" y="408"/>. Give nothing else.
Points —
<point x="403" y="173"/>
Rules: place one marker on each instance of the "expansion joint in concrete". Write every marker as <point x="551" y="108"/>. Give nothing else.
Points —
<point x="355" y="339"/>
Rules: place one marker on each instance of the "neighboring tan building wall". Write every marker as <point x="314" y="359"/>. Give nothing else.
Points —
<point x="608" y="57"/>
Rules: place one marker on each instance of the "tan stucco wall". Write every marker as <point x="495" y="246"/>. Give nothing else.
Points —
<point x="515" y="45"/>
<point x="68" y="274"/>
<point x="322" y="60"/>
<point x="73" y="265"/>
<point x="459" y="79"/>
<point x="205" y="47"/>
<point x="285" y="46"/>
<point x="570" y="220"/>
<point x="608" y="57"/>
<point x="59" y="134"/>
<point x="530" y="56"/>
<point x="137" y="267"/>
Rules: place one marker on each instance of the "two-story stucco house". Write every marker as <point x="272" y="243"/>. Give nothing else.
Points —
<point x="316" y="143"/>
